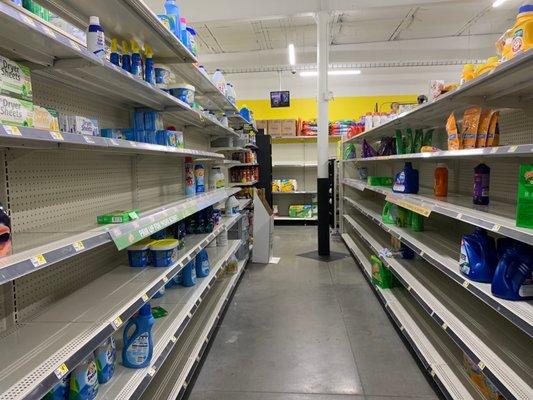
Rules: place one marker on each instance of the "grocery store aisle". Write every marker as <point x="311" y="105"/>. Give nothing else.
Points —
<point x="307" y="330"/>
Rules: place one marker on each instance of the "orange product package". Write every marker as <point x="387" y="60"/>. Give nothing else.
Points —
<point x="483" y="130"/>
<point x="454" y="140"/>
<point x="470" y="126"/>
<point x="493" y="136"/>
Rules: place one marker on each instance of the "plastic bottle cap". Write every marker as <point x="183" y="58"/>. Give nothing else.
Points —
<point x="525" y="8"/>
<point x="94" y="20"/>
<point x="145" y="310"/>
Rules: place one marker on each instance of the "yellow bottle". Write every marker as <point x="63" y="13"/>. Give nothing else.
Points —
<point x="503" y="45"/>
<point x="468" y="73"/>
<point x="492" y="62"/>
<point x="522" y="31"/>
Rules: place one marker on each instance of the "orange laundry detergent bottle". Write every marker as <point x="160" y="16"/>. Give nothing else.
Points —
<point x="441" y="180"/>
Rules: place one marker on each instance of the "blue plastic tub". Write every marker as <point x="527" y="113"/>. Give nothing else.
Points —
<point x="164" y="252"/>
<point x="139" y="254"/>
<point x="183" y="92"/>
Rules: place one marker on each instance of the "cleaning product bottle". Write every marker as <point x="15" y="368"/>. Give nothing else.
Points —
<point x="492" y="62"/>
<point x="188" y="274"/>
<point x="105" y="356"/>
<point x="136" y="60"/>
<point x="190" y="184"/>
<point x="184" y="37"/>
<point x="95" y="38"/>
<point x="160" y="293"/>
<point x="115" y="55"/>
<point x="524" y="198"/>
<point x="522" y="31"/>
<point x="84" y="380"/>
<point x="173" y="12"/>
<point x="202" y="264"/>
<point x="513" y="279"/>
<point x="149" y="75"/>
<point x="468" y="73"/>
<point x="191" y="37"/>
<point x="60" y="390"/>
<point x="481" y="184"/>
<point x="220" y="82"/>
<point x="126" y="56"/>
<point x="441" y="180"/>
<point x="199" y="178"/>
<point x="138" y="345"/>
<point x="417" y="222"/>
<point x="478" y="256"/>
<point x="406" y="180"/>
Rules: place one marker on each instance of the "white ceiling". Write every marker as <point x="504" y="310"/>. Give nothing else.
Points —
<point x="252" y="35"/>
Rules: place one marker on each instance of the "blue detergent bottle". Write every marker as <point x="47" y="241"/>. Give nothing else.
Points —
<point x="188" y="274"/>
<point x="84" y="380"/>
<point x="105" y="356"/>
<point x="406" y="180"/>
<point x="136" y="60"/>
<point x="478" y="256"/>
<point x="173" y="12"/>
<point x="202" y="264"/>
<point x="59" y="391"/>
<point x="126" y="56"/>
<point x="139" y="346"/>
<point x="513" y="279"/>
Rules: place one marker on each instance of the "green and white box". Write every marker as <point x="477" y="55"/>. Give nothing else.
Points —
<point x="16" y="112"/>
<point x="15" y="80"/>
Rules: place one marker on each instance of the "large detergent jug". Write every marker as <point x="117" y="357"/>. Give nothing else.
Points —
<point x="59" y="391"/>
<point x="105" y="356"/>
<point x="84" y="380"/>
<point x="522" y="31"/>
<point x="188" y="274"/>
<point x="478" y="256"/>
<point x="202" y="264"/>
<point x="406" y="180"/>
<point x="219" y="81"/>
<point x="139" y="345"/>
<point x="513" y="279"/>
<point x="173" y="12"/>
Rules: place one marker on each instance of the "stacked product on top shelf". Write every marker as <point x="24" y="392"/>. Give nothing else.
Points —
<point x="80" y="195"/>
<point x="439" y="212"/>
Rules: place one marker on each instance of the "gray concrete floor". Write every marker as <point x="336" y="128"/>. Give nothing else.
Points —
<point x="307" y="330"/>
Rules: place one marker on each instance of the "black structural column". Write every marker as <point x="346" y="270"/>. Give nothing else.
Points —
<point x="323" y="216"/>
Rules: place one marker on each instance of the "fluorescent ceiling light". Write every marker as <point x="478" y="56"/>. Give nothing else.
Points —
<point x="498" y="3"/>
<point x="337" y="72"/>
<point x="292" y="55"/>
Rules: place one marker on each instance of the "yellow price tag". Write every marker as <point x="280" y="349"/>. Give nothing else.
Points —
<point x="481" y="365"/>
<point x="88" y="139"/>
<point x="38" y="260"/>
<point x="151" y="371"/>
<point x="113" y="142"/>
<point x="61" y="371"/>
<point x="173" y="339"/>
<point x="466" y="284"/>
<point x="12" y="130"/>
<point x="512" y="149"/>
<point x="56" y="135"/>
<point x="496" y="227"/>
<point x="165" y="279"/>
<point x="145" y="297"/>
<point x="425" y="211"/>
<point x="116" y="323"/>
<point x="78" y="246"/>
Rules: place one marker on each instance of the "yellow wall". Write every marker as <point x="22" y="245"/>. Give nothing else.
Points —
<point x="340" y="107"/>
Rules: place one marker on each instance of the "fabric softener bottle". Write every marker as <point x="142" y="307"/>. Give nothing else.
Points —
<point x="481" y="185"/>
<point x="139" y="345"/>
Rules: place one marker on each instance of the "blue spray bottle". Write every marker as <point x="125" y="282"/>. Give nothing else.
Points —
<point x="115" y="55"/>
<point x="139" y="346"/>
<point x="136" y="60"/>
<point x="126" y="57"/>
<point x="149" y="75"/>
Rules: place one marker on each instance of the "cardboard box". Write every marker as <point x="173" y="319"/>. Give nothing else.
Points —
<point x="262" y="124"/>
<point x="288" y="127"/>
<point x="274" y="127"/>
<point x="16" y="112"/>
<point x="15" y="80"/>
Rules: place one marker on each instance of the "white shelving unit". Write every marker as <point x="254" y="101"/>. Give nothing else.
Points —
<point x="443" y="314"/>
<point x="67" y="285"/>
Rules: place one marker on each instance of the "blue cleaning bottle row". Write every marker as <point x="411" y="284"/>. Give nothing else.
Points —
<point x="507" y="266"/>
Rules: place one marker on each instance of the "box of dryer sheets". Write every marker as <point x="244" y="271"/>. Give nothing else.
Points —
<point x="45" y="118"/>
<point x="288" y="127"/>
<point x="15" y="80"/>
<point x="78" y="124"/>
<point x="16" y="112"/>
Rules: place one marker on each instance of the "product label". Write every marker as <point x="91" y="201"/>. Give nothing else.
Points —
<point x="463" y="260"/>
<point x="481" y="185"/>
<point x="15" y="80"/>
<point x="16" y="112"/>
<point x="96" y="43"/>
<point x="399" y="185"/>
<point x="526" y="290"/>
<point x="518" y="40"/>
<point x="138" y="350"/>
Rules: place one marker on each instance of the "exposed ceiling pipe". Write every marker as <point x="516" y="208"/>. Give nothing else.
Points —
<point x="368" y="65"/>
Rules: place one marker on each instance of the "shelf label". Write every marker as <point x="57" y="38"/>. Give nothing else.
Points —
<point x="12" y="130"/>
<point x="425" y="211"/>
<point x="494" y="150"/>
<point x="48" y="31"/>
<point x="173" y="339"/>
<point x="481" y="365"/>
<point x="38" y="260"/>
<point x="444" y="326"/>
<point x="145" y="297"/>
<point x="466" y="284"/>
<point x="512" y="149"/>
<point x="27" y="20"/>
<point x="56" y="135"/>
<point x="88" y="139"/>
<point x="133" y="144"/>
<point x="116" y="323"/>
<point x="61" y="371"/>
<point x="151" y="371"/>
<point x="113" y="142"/>
<point x="165" y="279"/>
<point x="78" y="246"/>
<point x="496" y="228"/>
